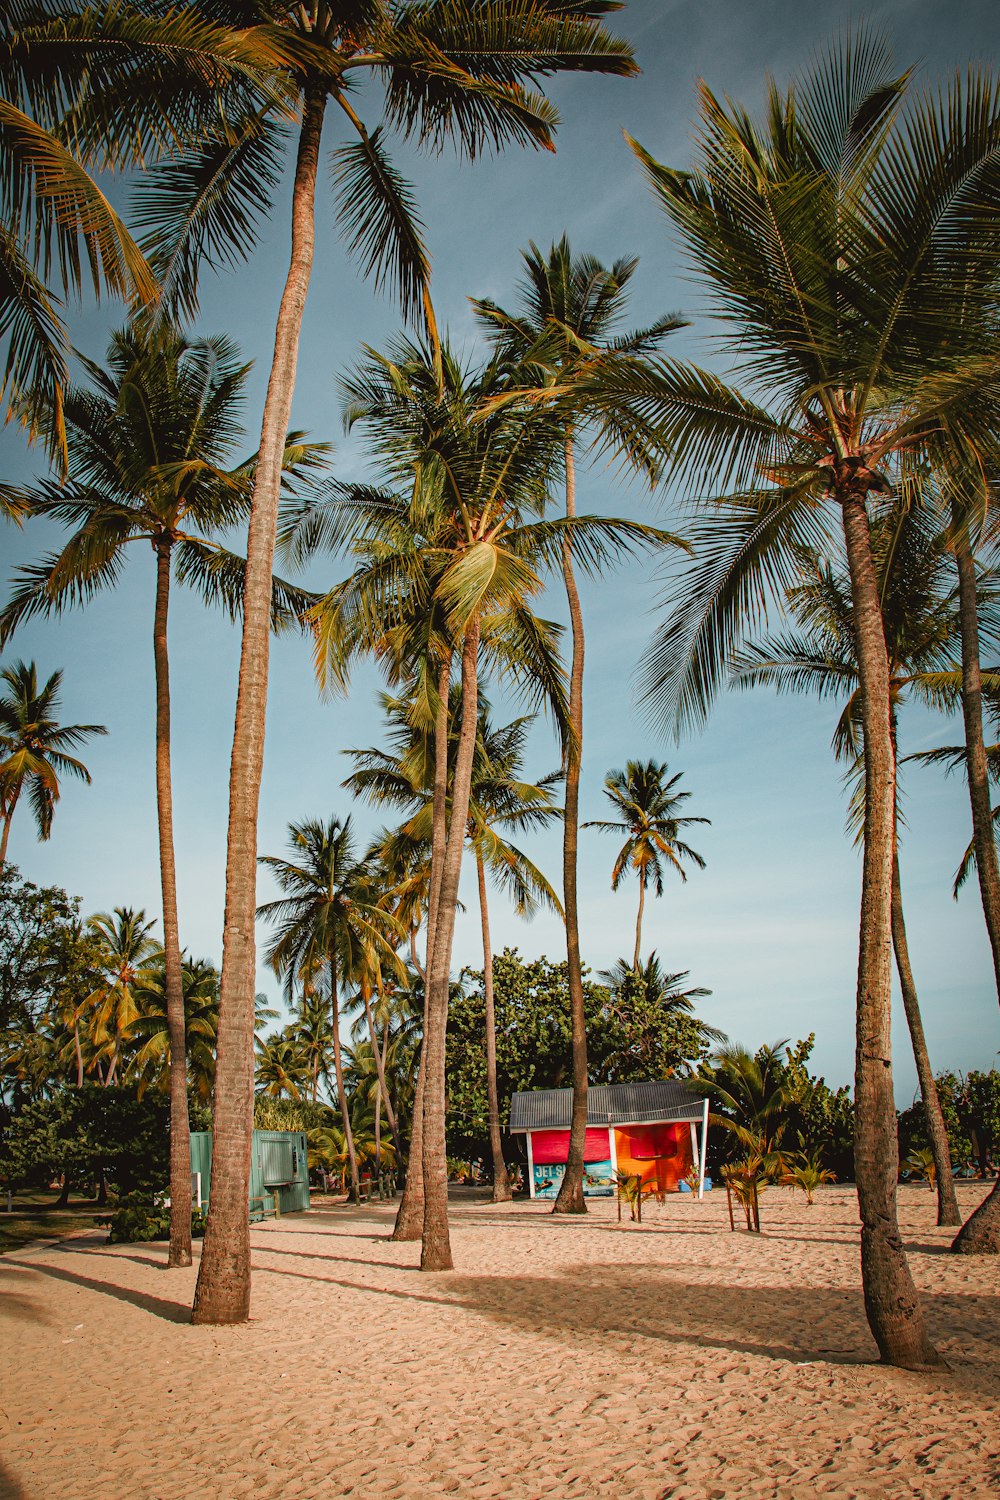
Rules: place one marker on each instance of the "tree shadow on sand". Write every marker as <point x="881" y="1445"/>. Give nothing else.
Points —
<point x="172" y="1312"/>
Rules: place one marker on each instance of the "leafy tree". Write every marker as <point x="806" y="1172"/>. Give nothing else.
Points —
<point x="648" y="808"/>
<point x="646" y="1034"/>
<point x="34" y="746"/>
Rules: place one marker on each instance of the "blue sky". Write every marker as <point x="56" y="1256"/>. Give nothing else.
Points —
<point x="770" y="926"/>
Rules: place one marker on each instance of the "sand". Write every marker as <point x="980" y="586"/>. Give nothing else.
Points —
<point x="562" y="1358"/>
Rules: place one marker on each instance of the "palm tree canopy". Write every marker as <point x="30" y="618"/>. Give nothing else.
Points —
<point x="34" y="746"/>
<point x="104" y="87"/>
<point x="329" y="913"/>
<point x="649" y="815"/>
<point x="452" y="72"/>
<point x="151" y="455"/>
<point x="851" y="246"/>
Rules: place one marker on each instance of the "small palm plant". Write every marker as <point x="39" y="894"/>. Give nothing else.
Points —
<point x="920" y="1163"/>
<point x="807" y="1173"/>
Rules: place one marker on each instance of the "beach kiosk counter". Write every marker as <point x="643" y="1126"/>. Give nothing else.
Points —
<point x="279" y="1172"/>
<point x="656" y="1130"/>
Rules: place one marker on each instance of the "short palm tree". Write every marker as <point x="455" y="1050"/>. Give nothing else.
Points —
<point x="649" y="815"/>
<point x="34" y="747"/>
<point x="571" y="308"/>
<point x="150" y="1062"/>
<point x="500" y="801"/>
<point x="325" y="921"/>
<point x="128" y="967"/>
<point x="282" y="1067"/>
<point x="150" y="448"/>
<point x="846" y="245"/>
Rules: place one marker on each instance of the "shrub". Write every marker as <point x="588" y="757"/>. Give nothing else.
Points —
<point x="139" y="1219"/>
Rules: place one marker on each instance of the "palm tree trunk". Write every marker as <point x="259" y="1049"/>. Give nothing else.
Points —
<point x="638" y="920"/>
<point x="380" y="1069"/>
<point x="893" y="1308"/>
<point x="435" y="1250"/>
<point x="410" y="1215"/>
<point x="338" y="1068"/>
<point x="179" y="1253"/>
<point x="223" y="1291"/>
<point x="948" y="1212"/>
<point x="79" y="1054"/>
<point x="501" y="1182"/>
<point x="569" y="1199"/>
<point x="981" y="1234"/>
<point x="8" y="818"/>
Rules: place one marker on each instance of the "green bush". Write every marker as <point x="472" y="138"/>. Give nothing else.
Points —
<point x="139" y="1218"/>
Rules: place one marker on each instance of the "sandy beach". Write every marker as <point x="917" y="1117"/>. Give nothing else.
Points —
<point x="563" y="1357"/>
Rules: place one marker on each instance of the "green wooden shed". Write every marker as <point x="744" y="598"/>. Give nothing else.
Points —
<point x="279" y="1172"/>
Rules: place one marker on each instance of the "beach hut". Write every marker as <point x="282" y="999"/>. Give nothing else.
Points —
<point x="279" y="1172"/>
<point x="648" y="1129"/>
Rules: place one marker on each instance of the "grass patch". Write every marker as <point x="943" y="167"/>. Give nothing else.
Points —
<point x="35" y="1217"/>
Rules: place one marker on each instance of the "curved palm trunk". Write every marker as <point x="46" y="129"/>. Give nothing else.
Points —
<point x="435" y="1250"/>
<point x="981" y="1234"/>
<point x="948" y="1212"/>
<point x="501" y="1182"/>
<point x="569" y="1199"/>
<point x="179" y="1253"/>
<point x="638" y="920"/>
<point x="891" y="1302"/>
<point x="383" y="1095"/>
<point x="8" y="818"/>
<point x="410" y="1215"/>
<point x="223" y="1291"/>
<point x="338" y="1068"/>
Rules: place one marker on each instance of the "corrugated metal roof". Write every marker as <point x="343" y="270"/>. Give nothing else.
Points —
<point x="607" y="1104"/>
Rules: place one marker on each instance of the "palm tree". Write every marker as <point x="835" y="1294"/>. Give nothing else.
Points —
<point x="664" y="999"/>
<point x="150" y="1063"/>
<point x="649" y="806"/>
<point x="34" y="746"/>
<point x="282" y="1067"/>
<point x="325" y="922"/>
<point x="128" y="967"/>
<point x="452" y="70"/>
<point x="570" y="309"/>
<point x="858" y="323"/>
<point x="446" y="571"/>
<point x="922" y="635"/>
<point x="148" y="446"/>
<point x="500" y="800"/>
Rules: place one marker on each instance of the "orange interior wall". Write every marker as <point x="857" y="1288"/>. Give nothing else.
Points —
<point x="666" y="1170"/>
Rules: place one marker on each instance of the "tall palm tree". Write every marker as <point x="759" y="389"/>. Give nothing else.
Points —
<point x="648" y="806"/>
<point x="847" y="245"/>
<point x="34" y="746"/>
<point x="458" y="557"/>
<point x="451" y="71"/>
<point x="922" y="636"/>
<point x="325" y="921"/>
<point x="664" y="997"/>
<point x="570" y="310"/>
<point x="149" y="444"/>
